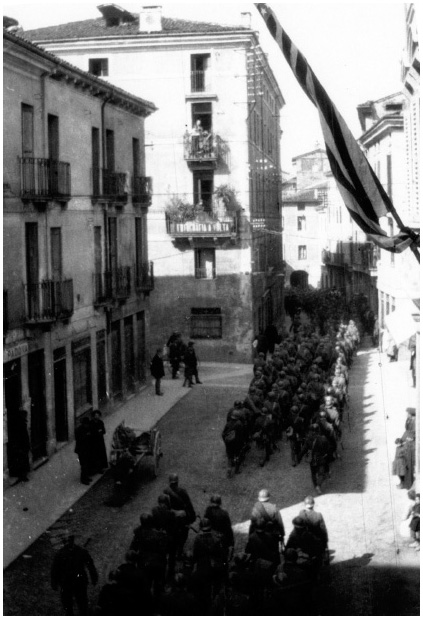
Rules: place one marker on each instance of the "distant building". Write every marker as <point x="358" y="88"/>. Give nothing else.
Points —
<point x="322" y="246"/>
<point x="214" y="151"/>
<point x="76" y="274"/>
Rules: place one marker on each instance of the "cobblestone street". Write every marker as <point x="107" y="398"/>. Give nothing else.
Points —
<point x="372" y="571"/>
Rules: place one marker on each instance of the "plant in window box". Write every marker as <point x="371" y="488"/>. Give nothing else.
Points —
<point x="179" y="211"/>
<point x="227" y="201"/>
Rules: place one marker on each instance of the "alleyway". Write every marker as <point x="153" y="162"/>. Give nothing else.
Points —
<point x="372" y="572"/>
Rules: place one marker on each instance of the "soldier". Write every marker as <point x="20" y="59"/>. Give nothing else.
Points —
<point x="267" y="511"/>
<point x="180" y="503"/>
<point x="233" y="436"/>
<point x="209" y="558"/>
<point x="263" y="435"/>
<point x="151" y="546"/>
<point x="320" y="449"/>
<point x="221" y="523"/>
<point x="314" y="522"/>
<point x="165" y="520"/>
<point x="69" y="575"/>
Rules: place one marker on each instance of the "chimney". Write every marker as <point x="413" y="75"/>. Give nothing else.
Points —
<point x="246" y="19"/>
<point x="151" y="19"/>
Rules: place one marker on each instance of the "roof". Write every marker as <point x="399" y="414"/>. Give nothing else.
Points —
<point x="91" y="28"/>
<point x="115" y="95"/>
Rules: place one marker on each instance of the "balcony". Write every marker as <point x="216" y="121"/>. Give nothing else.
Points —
<point x="144" y="277"/>
<point x="121" y="283"/>
<point x="109" y="186"/>
<point x="48" y="301"/>
<point x="333" y="258"/>
<point x="203" y="151"/>
<point x="142" y="190"/>
<point x="225" y="227"/>
<point x="365" y="257"/>
<point x="103" y="288"/>
<point x="45" y="179"/>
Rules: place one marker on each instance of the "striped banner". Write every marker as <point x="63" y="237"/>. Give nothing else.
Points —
<point x="361" y="190"/>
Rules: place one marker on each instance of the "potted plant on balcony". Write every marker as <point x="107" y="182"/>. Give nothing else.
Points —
<point x="179" y="211"/>
<point x="227" y="201"/>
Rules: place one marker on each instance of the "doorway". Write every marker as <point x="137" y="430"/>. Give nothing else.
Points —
<point x="36" y="381"/>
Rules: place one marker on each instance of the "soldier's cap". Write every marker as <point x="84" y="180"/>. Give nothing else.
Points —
<point x="216" y="499"/>
<point x="309" y="500"/>
<point x="205" y="524"/>
<point x="261" y="354"/>
<point x="237" y="403"/>
<point x="263" y="495"/>
<point x="173" y="478"/>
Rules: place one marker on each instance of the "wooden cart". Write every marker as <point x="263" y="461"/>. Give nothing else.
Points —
<point x="131" y="446"/>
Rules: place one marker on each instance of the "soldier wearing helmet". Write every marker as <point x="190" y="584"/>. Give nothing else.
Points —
<point x="266" y="511"/>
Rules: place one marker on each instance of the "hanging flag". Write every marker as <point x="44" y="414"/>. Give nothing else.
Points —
<point x="361" y="190"/>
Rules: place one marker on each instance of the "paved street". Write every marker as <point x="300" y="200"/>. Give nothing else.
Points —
<point x="372" y="572"/>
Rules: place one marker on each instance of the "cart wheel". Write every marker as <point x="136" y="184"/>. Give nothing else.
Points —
<point x="157" y="453"/>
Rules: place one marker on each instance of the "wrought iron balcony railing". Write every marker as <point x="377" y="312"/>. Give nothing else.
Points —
<point x="49" y="300"/>
<point x="45" y="179"/>
<point x="331" y="257"/>
<point x="142" y="190"/>
<point x="144" y="277"/>
<point x="103" y="288"/>
<point x="109" y="185"/>
<point x="226" y="227"/>
<point x="121" y="282"/>
<point x="207" y="147"/>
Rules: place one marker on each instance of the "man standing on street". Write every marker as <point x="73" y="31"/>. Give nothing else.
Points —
<point x="157" y="370"/>
<point x="69" y="575"/>
<point x="191" y="363"/>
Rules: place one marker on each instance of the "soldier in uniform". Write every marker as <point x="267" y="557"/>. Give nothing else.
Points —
<point x="180" y="503"/>
<point x="69" y="575"/>
<point x="221" y="523"/>
<point x="265" y="510"/>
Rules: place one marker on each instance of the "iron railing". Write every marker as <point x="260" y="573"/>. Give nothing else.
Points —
<point x="49" y="300"/>
<point x="103" y="287"/>
<point x="211" y="227"/>
<point x="109" y="185"/>
<point x="121" y="282"/>
<point x="144" y="276"/>
<point x="111" y="285"/>
<point x="331" y="257"/>
<point x="45" y="179"/>
<point x="142" y="190"/>
<point x="205" y="147"/>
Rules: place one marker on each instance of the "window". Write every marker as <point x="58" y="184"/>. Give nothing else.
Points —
<point x="205" y="263"/>
<point x="27" y="130"/>
<point x="81" y="375"/>
<point x="56" y="254"/>
<point x="200" y="64"/>
<point x="203" y="189"/>
<point x="301" y="222"/>
<point x="110" y="150"/>
<point x="203" y="113"/>
<point x="301" y="207"/>
<point x="302" y="252"/>
<point x="206" y="323"/>
<point x="136" y="157"/>
<point x="98" y="66"/>
<point x="95" y="159"/>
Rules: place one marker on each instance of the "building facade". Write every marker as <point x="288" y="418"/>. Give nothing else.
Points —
<point x="213" y="148"/>
<point x="323" y="247"/>
<point x="384" y="143"/>
<point x="76" y="273"/>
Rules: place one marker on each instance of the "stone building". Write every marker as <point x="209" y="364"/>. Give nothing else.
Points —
<point x="323" y="247"/>
<point x="213" y="149"/>
<point x="76" y="274"/>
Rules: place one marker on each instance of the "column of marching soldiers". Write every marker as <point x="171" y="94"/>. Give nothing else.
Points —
<point x="300" y="391"/>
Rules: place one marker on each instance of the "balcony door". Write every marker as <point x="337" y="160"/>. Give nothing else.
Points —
<point x="32" y="269"/>
<point x="53" y="153"/>
<point x="203" y="113"/>
<point x="95" y="159"/>
<point x="112" y="250"/>
<point x="36" y="384"/>
<point x="203" y="189"/>
<point x="56" y="269"/>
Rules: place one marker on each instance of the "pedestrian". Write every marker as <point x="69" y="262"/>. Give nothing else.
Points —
<point x="414" y="525"/>
<point x="99" y="454"/>
<point x="399" y="465"/>
<point x="268" y="512"/>
<point x="19" y="445"/>
<point x="83" y="447"/>
<point x="69" y="575"/>
<point x="175" y="353"/>
<point x="191" y="365"/>
<point x="157" y="370"/>
<point x="180" y="503"/>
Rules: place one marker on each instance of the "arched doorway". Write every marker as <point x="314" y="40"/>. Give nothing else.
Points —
<point x="299" y="279"/>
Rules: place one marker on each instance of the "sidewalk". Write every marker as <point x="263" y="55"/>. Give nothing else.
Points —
<point x="30" y="508"/>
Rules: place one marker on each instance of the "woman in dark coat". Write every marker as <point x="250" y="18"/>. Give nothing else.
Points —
<point x="399" y="465"/>
<point x="99" y="454"/>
